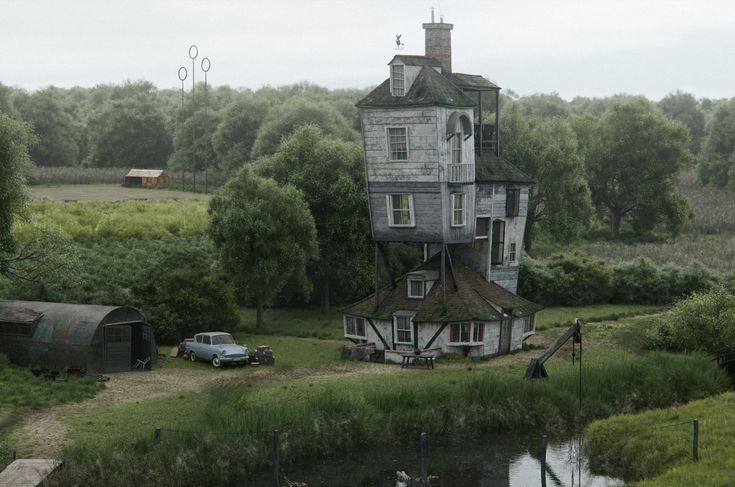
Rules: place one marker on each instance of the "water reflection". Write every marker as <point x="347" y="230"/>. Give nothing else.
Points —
<point x="503" y="460"/>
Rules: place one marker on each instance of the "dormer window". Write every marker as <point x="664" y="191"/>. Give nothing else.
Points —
<point x="416" y="288"/>
<point x="397" y="80"/>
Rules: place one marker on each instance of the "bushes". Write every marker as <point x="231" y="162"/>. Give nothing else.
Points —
<point x="576" y="280"/>
<point x="703" y="321"/>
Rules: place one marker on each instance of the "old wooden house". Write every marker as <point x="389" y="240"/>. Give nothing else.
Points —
<point x="147" y="178"/>
<point x="435" y="175"/>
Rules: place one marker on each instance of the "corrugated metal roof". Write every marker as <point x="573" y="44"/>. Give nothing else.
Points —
<point x="145" y="173"/>
<point x="474" y="299"/>
<point x="429" y="89"/>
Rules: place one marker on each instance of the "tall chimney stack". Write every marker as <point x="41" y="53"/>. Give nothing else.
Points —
<point x="439" y="42"/>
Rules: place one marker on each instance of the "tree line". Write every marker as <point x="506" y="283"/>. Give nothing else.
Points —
<point x="595" y="161"/>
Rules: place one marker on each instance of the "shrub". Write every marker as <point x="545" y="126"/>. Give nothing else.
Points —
<point x="639" y="281"/>
<point x="703" y="321"/>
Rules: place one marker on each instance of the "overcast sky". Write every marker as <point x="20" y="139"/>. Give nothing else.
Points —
<point x="572" y="47"/>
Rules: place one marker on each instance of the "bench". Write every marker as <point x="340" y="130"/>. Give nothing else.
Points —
<point x="412" y="358"/>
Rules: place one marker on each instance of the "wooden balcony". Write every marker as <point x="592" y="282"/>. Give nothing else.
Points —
<point x="461" y="173"/>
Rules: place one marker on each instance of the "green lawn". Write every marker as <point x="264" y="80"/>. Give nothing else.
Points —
<point x="564" y="316"/>
<point x="297" y="322"/>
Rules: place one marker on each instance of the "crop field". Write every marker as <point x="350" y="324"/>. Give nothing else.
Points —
<point x="109" y="192"/>
<point x="714" y="208"/>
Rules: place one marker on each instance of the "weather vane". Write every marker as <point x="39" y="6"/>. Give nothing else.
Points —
<point x="399" y="44"/>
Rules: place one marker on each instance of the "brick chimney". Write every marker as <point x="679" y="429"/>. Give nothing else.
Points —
<point x="439" y="42"/>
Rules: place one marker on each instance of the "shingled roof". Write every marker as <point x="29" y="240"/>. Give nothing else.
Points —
<point x="472" y="82"/>
<point x="475" y="299"/>
<point x="416" y="60"/>
<point x="429" y="89"/>
<point x="492" y="168"/>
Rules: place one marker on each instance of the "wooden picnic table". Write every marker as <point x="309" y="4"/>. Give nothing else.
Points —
<point x="412" y="358"/>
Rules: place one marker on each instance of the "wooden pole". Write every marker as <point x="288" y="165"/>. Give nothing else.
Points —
<point x="543" y="461"/>
<point x="696" y="440"/>
<point x="276" y="458"/>
<point x="424" y="460"/>
<point x="157" y="435"/>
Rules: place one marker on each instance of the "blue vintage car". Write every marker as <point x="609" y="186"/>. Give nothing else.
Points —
<point x="218" y="348"/>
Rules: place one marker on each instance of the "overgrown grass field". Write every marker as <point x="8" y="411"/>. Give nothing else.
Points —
<point x="319" y="416"/>
<point x="637" y="446"/>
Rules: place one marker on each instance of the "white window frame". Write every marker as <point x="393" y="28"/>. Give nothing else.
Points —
<point x="463" y="209"/>
<point x="423" y="288"/>
<point x="389" y="206"/>
<point x="388" y="143"/>
<point x="354" y="320"/>
<point x="455" y="147"/>
<point x="474" y="330"/>
<point x="512" y="253"/>
<point x="393" y="78"/>
<point x="411" y="330"/>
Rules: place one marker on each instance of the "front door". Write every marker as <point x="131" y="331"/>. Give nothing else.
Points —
<point x="117" y="348"/>
<point x="506" y="327"/>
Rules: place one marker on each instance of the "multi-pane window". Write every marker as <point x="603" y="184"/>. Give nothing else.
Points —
<point x="456" y="143"/>
<point x="467" y="333"/>
<point x="355" y="326"/>
<point x="400" y="210"/>
<point x="398" y="143"/>
<point x="397" y="79"/>
<point x="458" y="207"/>
<point x="415" y="288"/>
<point x="498" y="245"/>
<point x="512" y="201"/>
<point x="512" y="252"/>
<point x="404" y="329"/>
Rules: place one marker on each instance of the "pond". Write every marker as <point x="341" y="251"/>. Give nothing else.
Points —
<point x="502" y="460"/>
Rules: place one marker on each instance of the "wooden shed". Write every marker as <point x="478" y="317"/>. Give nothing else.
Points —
<point x="55" y="336"/>
<point x="147" y="178"/>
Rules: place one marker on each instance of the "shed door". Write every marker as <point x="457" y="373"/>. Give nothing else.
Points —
<point x="506" y="328"/>
<point x="117" y="348"/>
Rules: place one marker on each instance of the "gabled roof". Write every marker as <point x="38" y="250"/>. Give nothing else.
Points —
<point x="416" y="61"/>
<point x="491" y="168"/>
<point x="472" y="82"/>
<point x="145" y="173"/>
<point x="429" y="89"/>
<point x="474" y="299"/>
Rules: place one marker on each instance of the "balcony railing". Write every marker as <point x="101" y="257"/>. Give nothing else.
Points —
<point x="461" y="173"/>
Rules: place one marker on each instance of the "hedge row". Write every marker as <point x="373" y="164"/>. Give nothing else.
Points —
<point x="577" y="280"/>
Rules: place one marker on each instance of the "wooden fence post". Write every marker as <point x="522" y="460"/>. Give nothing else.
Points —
<point x="276" y="458"/>
<point x="157" y="435"/>
<point x="424" y="460"/>
<point x="696" y="440"/>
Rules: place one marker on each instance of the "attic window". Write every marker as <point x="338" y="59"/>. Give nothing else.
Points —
<point x="416" y="288"/>
<point x="397" y="80"/>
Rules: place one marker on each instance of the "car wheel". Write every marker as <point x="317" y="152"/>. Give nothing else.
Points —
<point x="216" y="362"/>
<point x="192" y="357"/>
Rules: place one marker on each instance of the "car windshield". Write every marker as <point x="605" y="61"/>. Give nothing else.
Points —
<point x="222" y="340"/>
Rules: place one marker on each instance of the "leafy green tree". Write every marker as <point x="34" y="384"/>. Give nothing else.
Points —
<point x="195" y="132"/>
<point x="58" y="133"/>
<point x="717" y="160"/>
<point x="180" y="300"/>
<point x="234" y="138"/>
<point x="130" y="132"/>
<point x="6" y="101"/>
<point x="265" y="236"/>
<point x="685" y="108"/>
<point x="283" y="120"/>
<point x="329" y="173"/>
<point x="15" y="139"/>
<point x="633" y="162"/>
<point x="546" y="149"/>
<point x="544" y="105"/>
